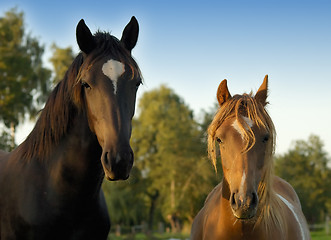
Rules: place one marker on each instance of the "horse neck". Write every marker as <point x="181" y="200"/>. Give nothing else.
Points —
<point x="70" y="165"/>
<point x="76" y="160"/>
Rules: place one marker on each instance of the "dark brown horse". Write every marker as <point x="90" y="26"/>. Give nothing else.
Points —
<point x="50" y="184"/>
<point x="250" y="202"/>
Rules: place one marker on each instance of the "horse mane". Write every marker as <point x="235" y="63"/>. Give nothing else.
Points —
<point x="270" y="213"/>
<point x="67" y="98"/>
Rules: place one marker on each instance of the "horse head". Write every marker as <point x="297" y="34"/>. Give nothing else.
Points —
<point x="109" y="79"/>
<point x="244" y="132"/>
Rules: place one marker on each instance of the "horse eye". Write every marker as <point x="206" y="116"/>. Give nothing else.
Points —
<point x="219" y="140"/>
<point x="86" y="85"/>
<point x="266" y="138"/>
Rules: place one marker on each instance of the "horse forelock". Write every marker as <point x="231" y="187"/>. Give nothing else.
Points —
<point x="108" y="45"/>
<point x="237" y="107"/>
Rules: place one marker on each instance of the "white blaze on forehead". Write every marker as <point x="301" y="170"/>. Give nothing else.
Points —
<point x="236" y="125"/>
<point x="113" y="70"/>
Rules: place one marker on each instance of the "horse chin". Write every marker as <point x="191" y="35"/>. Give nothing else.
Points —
<point x="244" y="216"/>
<point x="112" y="177"/>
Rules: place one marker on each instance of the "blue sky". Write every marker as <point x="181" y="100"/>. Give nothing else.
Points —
<point x="192" y="45"/>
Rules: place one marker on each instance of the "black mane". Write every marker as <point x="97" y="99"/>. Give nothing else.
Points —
<point x="67" y="98"/>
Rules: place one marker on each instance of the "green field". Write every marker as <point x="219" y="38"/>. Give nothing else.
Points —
<point x="141" y="236"/>
<point x="320" y="235"/>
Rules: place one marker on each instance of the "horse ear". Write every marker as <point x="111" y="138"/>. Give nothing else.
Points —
<point x="130" y="34"/>
<point x="223" y="93"/>
<point x="262" y="93"/>
<point x="84" y="37"/>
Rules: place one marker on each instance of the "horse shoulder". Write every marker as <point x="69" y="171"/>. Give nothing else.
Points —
<point x="289" y="197"/>
<point x="207" y="214"/>
<point x="3" y="156"/>
<point x="215" y="192"/>
<point x="197" y="226"/>
<point x="286" y="190"/>
<point x="2" y="153"/>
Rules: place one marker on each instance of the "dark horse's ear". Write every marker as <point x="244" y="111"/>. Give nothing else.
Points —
<point x="130" y="34"/>
<point x="262" y="94"/>
<point x="84" y="37"/>
<point x="223" y="93"/>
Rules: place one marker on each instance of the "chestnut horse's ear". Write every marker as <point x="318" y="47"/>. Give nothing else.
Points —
<point x="130" y="34"/>
<point x="223" y="93"/>
<point x="262" y="94"/>
<point x="84" y="37"/>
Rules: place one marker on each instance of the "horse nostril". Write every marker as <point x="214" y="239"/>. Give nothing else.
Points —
<point x="233" y="201"/>
<point x="106" y="160"/>
<point x="254" y="199"/>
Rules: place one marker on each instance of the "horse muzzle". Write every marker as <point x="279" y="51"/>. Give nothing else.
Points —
<point x="117" y="166"/>
<point x="244" y="206"/>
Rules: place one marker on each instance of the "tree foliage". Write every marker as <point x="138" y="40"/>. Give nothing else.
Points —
<point x="172" y="175"/>
<point x="24" y="82"/>
<point x="170" y="152"/>
<point x="61" y="60"/>
<point x="305" y="167"/>
<point x="126" y="199"/>
<point x="5" y="140"/>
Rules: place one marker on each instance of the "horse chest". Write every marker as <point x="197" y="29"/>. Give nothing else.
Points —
<point x="33" y="207"/>
<point x="52" y="220"/>
<point x="234" y="231"/>
<point x="220" y="223"/>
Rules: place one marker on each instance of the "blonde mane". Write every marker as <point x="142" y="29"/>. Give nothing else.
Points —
<point x="270" y="208"/>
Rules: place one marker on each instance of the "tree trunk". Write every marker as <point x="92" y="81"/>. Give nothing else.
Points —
<point x="173" y="218"/>
<point x="327" y="226"/>
<point x="118" y="230"/>
<point x="172" y="194"/>
<point x="153" y="198"/>
<point x="12" y="135"/>
<point x="174" y="223"/>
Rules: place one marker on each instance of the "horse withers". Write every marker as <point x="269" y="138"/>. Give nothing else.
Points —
<point x="50" y="185"/>
<point x="250" y="202"/>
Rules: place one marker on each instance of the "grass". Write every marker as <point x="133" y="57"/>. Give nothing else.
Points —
<point x="156" y="236"/>
<point x="318" y="235"/>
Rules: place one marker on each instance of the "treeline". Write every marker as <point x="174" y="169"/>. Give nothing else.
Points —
<point x="172" y="175"/>
<point x="24" y="80"/>
<point x="307" y="166"/>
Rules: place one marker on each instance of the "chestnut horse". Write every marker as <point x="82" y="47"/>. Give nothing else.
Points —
<point x="250" y="202"/>
<point x="50" y="185"/>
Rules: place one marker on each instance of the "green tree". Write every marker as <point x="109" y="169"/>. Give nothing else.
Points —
<point x="5" y="140"/>
<point x="170" y="152"/>
<point x="125" y="200"/>
<point x="305" y="167"/>
<point x="61" y="60"/>
<point x="24" y="82"/>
